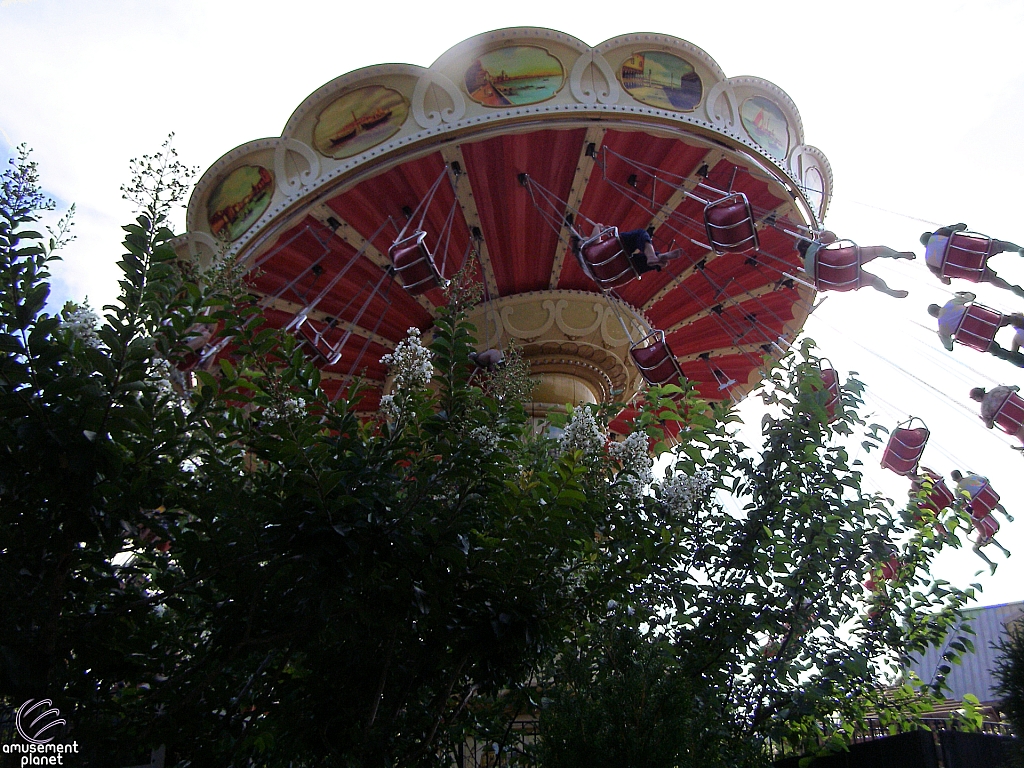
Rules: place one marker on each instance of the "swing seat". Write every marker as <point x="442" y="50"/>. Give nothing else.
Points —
<point x="986" y="526"/>
<point x="1010" y="416"/>
<point x="983" y="502"/>
<point x="830" y="379"/>
<point x="730" y="224"/>
<point x="965" y="256"/>
<point x="655" y="361"/>
<point x="978" y="327"/>
<point x="837" y="267"/>
<point x="890" y="568"/>
<point x="904" y="449"/>
<point x="939" y="497"/>
<point x="414" y="264"/>
<point x="604" y="260"/>
<point x="314" y="341"/>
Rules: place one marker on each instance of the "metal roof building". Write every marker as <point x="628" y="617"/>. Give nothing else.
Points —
<point x="975" y="675"/>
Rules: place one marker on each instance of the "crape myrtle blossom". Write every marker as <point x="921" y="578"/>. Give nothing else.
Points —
<point x="582" y="433"/>
<point x="81" y="322"/>
<point x="681" y="493"/>
<point x="636" y="462"/>
<point x="412" y="370"/>
<point x="291" y="409"/>
<point x="486" y="437"/>
<point x="410" y="363"/>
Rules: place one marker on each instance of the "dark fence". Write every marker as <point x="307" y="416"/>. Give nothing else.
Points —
<point x="922" y="749"/>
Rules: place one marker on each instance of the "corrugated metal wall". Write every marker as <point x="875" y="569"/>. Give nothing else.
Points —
<point x="975" y="674"/>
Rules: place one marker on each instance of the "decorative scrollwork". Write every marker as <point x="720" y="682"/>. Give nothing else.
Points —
<point x="296" y="165"/>
<point x="434" y="84"/>
<point x="594" y="63"/>
<point x="722" y="94"/>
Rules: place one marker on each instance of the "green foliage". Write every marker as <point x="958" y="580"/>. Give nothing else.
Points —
<point x="1010" y="674"/>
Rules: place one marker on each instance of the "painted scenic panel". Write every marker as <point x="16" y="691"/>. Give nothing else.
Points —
<point x="766" y="125"/>
<point x="239" y="200"/>
<point x="514" y="76"/>
<point x="662" y="80"/>
<point x="359" y="120"/>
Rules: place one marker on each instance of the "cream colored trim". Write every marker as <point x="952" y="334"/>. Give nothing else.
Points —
<point x="452" y="153"/>
<point x="584" y="168"/>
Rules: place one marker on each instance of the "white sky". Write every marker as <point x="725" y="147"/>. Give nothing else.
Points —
<point x="916" y="104"/>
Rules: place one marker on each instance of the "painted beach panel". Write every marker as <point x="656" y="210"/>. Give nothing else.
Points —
<point x="238" y="201"/>
<point x="662" y="80"/>
<point x="766" y="124"/>
<point x="514" y="76"/>
<point x="359" y="120"/>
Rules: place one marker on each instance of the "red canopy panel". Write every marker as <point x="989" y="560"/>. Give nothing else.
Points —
<point x="521" y="241"/>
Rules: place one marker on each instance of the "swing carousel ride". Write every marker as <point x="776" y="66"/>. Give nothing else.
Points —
<point x="635" y="218"/>
<point x="505" y="157"/>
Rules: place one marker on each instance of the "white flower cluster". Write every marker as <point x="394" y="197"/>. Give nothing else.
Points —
<point x="292" y="408"/>
<point x="636" y="462"/>
<point x="582" y="433"/>
<point x="486" y="437"/>
<point x="161" y="373"/>
<point x="82" y="322"/>
<point x="682" y="492"/>
<point x="410" y="363"/>
<point x="390" y="408"/>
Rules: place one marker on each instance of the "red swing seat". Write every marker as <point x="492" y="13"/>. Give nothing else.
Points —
<point x="983" y="502"/>
<point x="655" y="361"/>
<point x="605" y="261"/>
<point x="730" y="224"/>
<point x="904" y="449"/>
<point x="978" y="327"/>
<point x="939" y="497"/>
<point x="414" y="264"/>
<point x="314" y="341"/>
<point x="1010" y="416"/>
<point x="986" y="526"/>
<point x="837" y="267"/>
<point x="830" y="379"/>
<point x="965" y="256"/>
<point x="890" y="568"/>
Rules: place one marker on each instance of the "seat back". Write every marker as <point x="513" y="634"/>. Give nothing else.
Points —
<point x="965" y="256"/>
<point x="904" y="449"/>
<point x="837" y="267"/>
<point x="414" y="264"/>
<point x="730" y="224"/>
<point x="655" y="361"/>
<point x="606" y="261"/>
<point x="1010" y="416"/>
<point x="939" y="497"/>
<point x="978" y="327"/>
<point x="984" y="501"/>
<point x="986" y="526"/>
<point x="317" y="344"/>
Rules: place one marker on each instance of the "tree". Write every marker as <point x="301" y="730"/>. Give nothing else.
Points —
<point x="757" y="634"/>
<point x="199" y="549"/>
<point x="1009" y="673"/>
